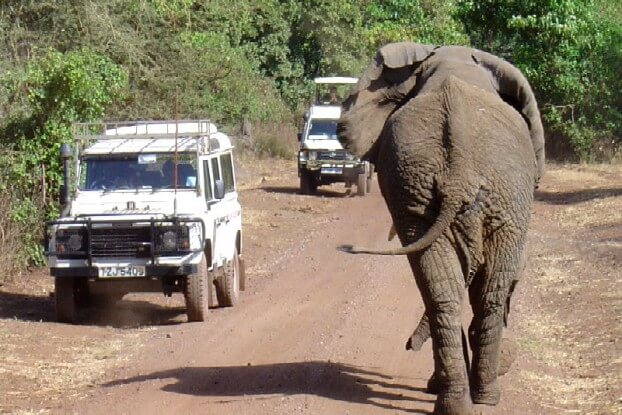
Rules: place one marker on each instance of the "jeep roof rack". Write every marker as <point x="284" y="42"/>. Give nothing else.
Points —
<point x="142" y="129"/>
<point x="335" y="80"/>
<point x="99" y="138"/>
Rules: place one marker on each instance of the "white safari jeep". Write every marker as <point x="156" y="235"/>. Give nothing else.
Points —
<point x="322" y="159"/>
<point x="153" y="208"/>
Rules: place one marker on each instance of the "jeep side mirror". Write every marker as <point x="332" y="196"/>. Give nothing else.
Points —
<point x="65" y="156"/>
<point x="299" y="136"/>
<point x="62" y="195"/>
<point x="219" y="189"/>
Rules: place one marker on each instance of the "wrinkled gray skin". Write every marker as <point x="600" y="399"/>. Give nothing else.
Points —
<point x="456" y="138"/>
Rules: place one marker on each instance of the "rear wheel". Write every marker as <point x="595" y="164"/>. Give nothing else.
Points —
<point x="196" y="293"/>
<point x="228" y="283"/>
<point x="308" y="183"/>
<point x="361" y="184"/>
<point x="65" y="298"/>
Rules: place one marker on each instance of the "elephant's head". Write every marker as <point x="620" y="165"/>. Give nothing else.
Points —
<point x="391" y="80"/>
<point x="381" y="89"/>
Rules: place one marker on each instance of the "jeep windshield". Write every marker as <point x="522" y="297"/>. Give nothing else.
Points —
<point x="141" y="171"/>
<point x="323" y="130"/>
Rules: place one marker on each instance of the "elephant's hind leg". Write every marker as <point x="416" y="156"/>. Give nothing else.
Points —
<point x="440" y="279"/>
<point x="488" y="295"/>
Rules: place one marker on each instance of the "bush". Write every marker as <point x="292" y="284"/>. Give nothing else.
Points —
<point x="269" y="140"/>
<point x="570" y="51"/>
<point x="60" y="89"/>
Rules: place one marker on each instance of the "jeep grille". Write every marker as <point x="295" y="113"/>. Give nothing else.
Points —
<point x="120" y="242"/>
<point x="332" y="155"/>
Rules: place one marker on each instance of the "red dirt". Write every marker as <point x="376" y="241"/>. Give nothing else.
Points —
<point x="321" y="332"/>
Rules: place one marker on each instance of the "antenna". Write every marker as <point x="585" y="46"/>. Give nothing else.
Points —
<point x="176" y="158"/>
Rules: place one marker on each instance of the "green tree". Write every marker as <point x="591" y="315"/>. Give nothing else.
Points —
<point x="570" y="50"/>
<point x="41" y="102"/>
<point x="422" y="21"/>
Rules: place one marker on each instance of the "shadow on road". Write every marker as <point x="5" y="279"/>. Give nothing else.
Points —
<point x="26" y="307"/>
<point x="326" y="379"/>
<point x="123" y="314"/>
<point x="576" y="196"/>
<point x="322" y="192"/>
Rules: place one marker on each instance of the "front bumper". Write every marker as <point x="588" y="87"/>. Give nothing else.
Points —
<point x="344" y="169"/>
<point x="158" y="271"/>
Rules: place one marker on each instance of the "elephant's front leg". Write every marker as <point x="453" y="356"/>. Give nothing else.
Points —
<point x="440" y="279"/>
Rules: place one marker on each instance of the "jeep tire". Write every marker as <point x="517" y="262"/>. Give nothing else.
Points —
<point x="308" y="183"/>
<point x="361" y="184"/>
<point x="228" y="282"/>
<point x="370" y="176"/>
<point x="65" y="299"/>
<point x="196" y="293"/>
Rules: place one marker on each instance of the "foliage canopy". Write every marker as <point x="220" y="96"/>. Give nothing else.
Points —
<point x="253" y="61"/>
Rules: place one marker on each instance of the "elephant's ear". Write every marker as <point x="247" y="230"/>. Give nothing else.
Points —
<point x="381" y="89"/>
<point x="397" y="55"/>
<point x="514" y="88"/>
<point x="394" y="63"/>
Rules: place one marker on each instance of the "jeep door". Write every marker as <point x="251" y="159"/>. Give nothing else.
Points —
<point x="224" y="212"/>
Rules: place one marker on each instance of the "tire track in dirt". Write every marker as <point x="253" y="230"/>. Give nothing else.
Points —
<point x="313" y="337"/>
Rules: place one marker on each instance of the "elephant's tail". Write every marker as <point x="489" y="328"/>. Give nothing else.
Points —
<point x="449" y="209"/>
<point x="457" y="181"/>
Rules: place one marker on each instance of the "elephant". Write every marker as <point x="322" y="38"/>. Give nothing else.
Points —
<point x="456" y="138"/>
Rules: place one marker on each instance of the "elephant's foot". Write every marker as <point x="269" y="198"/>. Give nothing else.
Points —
<point x="489" y="394"/>
<point x="454" y="404"/>
<point x="434" y="386"/>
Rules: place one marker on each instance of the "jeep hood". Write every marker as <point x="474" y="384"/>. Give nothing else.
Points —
<point x="322" y="145"/>
<point x="131" y="202"/>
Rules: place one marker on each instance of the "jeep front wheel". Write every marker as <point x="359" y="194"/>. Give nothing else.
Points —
<point x="196" y="293"/>
<point x="370" y="177"/>
<point x="361" y="184"/>
<point x="228" y="282"/>
<point x="65" y="298"/>
<point x="308" y="183"/>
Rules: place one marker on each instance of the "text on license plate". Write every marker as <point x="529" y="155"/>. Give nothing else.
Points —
<point x="332" y="170"/>
<point x="124" y="271"/>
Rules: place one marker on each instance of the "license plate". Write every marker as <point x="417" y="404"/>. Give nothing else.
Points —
<point x="125" y="271"/>
<point x="332" y="170"/>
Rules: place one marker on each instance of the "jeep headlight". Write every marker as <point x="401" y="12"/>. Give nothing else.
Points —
<point x="70" y="241"/>
<point x="172" y="239"/>
<point x="168" y="241"/>
<point x="303" y="155"/>
<point x="350" y="157"/>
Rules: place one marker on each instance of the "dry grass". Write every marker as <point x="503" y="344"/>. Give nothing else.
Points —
<point x="583" y="214"/>
<point x="568" y="393"/>
<point x="10" y="241"/>
<point x="571" y="335"/>
<point x="62" y="367"/>
<point x="269" y="140"/>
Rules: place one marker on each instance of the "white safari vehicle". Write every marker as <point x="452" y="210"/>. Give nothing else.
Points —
<point x="322" y="159"/>
<point x="153" y="207"/>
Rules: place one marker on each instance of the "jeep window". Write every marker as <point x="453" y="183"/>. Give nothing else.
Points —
<point x="207" y="181"/>
<point x="155" y="171"/>
<point x="227" y="173"/>
<point x="215" y="169"/>
<point x="323" y="130"/>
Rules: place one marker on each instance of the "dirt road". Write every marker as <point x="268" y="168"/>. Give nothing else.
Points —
<point x="321" y="332"/>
